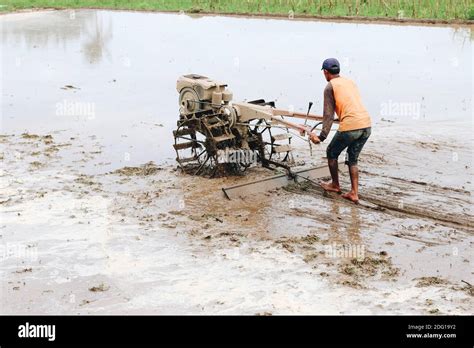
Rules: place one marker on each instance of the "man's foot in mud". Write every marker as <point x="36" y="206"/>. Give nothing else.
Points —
<point x="351" y="196"/>
<point x="330" y="186"/>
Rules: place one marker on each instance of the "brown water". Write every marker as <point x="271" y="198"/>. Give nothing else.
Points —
<point x="126" y="65"/>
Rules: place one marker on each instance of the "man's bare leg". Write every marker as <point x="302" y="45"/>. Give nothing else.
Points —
<point x="334" y="184"/>
<point x="353" y="195"/>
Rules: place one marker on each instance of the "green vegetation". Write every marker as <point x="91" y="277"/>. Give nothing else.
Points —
<point x="470" y="14"/>
<point x="419" y="9"/>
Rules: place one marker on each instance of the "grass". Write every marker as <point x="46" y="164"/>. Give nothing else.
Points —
<point x="417" y="9"/>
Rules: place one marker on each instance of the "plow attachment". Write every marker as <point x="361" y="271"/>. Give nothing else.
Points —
<point x="274" y="182"/>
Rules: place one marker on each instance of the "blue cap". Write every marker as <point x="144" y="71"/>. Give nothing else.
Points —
<point x="331" y="64"/>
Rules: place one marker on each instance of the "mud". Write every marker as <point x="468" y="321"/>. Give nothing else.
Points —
<point x="147" y="169"/>
<point x="165" y="242"/>
<point x="96" y="218"/>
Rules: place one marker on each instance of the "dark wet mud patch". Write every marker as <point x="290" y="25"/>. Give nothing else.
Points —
<point x="34" y="136"/>
<point x="430" y="281"/>
<point x="37" y="150"/>
<point x="222" y="170"/>
<point x="4" y="138"/>
<point x="374" y="159"/>
<point x="337" y="260"/>
<point x="99" y="288"/>
<point x="35" y="165"/>
<point x="146" y="169"/>
<point x="47" y="139"/>
<point x="435" y="146"/>
<point x="435" y="281"/>
<point x="308" y="242"/>
<point x="370" y="266"/>
<point x="24" y="270"/>
<point x="88" y="181"/>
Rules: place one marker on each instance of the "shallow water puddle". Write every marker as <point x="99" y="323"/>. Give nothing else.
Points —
<point x="111" y="74"/>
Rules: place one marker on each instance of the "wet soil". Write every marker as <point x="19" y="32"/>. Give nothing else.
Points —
<point x="96" y="217"/>
<point x="150" y="239"/>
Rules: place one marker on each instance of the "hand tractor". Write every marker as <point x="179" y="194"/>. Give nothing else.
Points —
<point x="217" y="136"/>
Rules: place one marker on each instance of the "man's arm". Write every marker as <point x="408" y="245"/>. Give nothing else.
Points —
<point x="328" y="111"/>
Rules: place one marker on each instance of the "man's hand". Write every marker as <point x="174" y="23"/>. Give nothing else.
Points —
<point x="314" y="138"/>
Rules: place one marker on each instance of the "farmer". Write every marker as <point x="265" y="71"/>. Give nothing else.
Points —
<point x="342" y="96"/>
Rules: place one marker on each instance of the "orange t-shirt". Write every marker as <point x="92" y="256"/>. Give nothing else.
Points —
<point x="349" y="108"/>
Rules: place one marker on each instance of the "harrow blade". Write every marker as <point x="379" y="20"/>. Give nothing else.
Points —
<point x="274" y="182"/>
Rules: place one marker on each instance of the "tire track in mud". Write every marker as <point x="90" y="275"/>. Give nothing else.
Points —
<point x="371" y="202"/>
<point x="453" y="219"/>
<point x="412" y="210"/>
<point x="431" y="187"/>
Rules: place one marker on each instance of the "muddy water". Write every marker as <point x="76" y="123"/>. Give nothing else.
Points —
<point x="169" y="243"/>
<point x="124" y="66"/>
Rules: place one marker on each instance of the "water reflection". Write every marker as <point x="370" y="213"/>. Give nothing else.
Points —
<point x="353" y="229"/>
<point x="126" y="65"/>
<point x="98" y="36"/>
<point x="345" y="233"/>
<point x="60" y="30"/>
<point x="463" y="35"/>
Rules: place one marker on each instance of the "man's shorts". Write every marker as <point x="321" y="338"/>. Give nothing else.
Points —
<point x="354" y="140"/>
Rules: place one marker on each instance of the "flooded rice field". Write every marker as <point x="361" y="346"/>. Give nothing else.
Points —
<point x="96" y="218"/>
